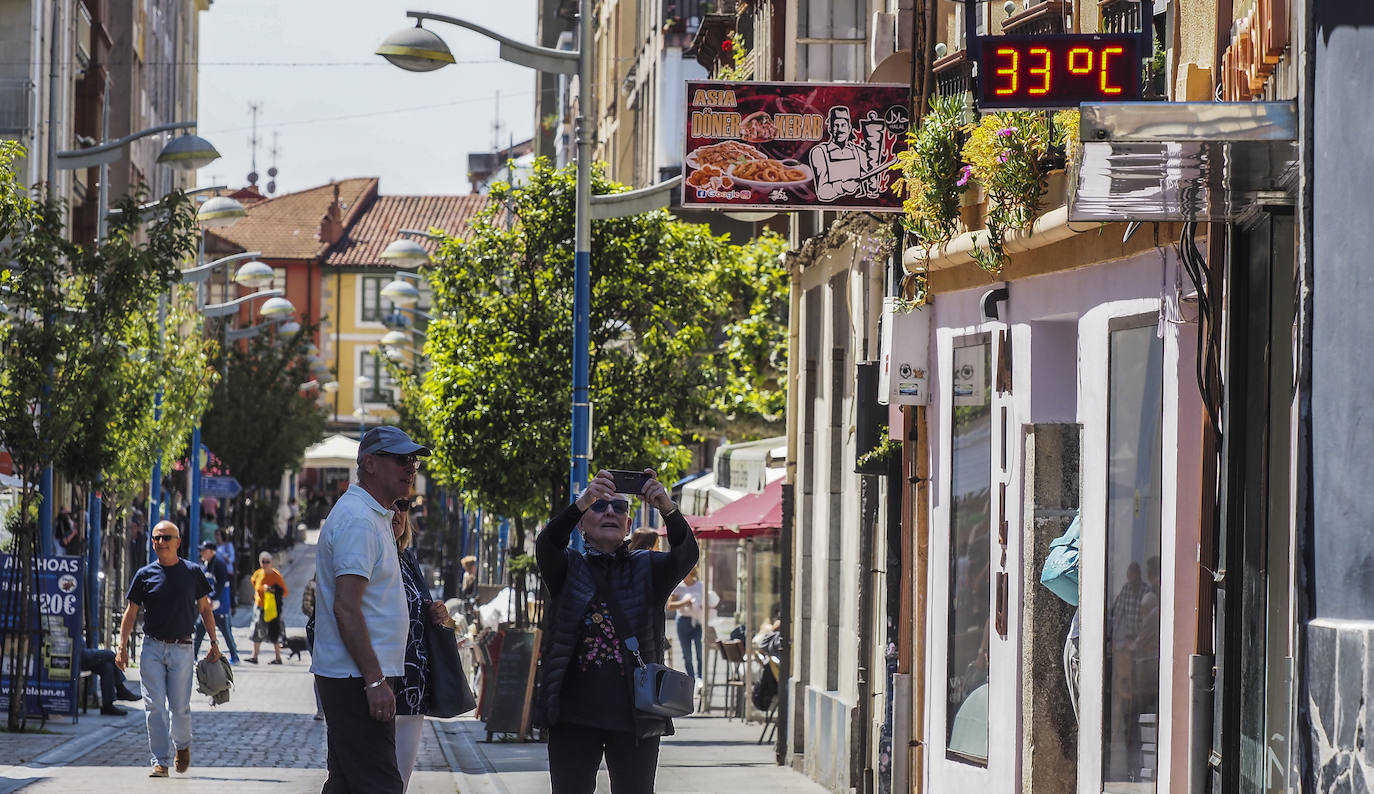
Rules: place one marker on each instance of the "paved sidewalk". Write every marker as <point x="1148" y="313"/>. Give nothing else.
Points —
<point x="707" y="755"/>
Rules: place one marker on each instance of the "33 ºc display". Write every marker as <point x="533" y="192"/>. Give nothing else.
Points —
<point x="1054" y="71"/>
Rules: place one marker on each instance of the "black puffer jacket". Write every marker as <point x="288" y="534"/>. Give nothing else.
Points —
<point x="643" y="580"/>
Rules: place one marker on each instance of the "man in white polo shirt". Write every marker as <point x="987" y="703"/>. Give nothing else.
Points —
<point x="361" y="619"/>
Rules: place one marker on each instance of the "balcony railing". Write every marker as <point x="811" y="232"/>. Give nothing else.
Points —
<point x="1119" y="16"/>
<point x="1046" y="17"/>
<point x="953" y="74"/>
<point x="15" y="96"/>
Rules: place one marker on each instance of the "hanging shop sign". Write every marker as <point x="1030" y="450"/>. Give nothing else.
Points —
<point x="53" y="646"/>
<point x="1058" y="71"/>
<point x="783" y="146"/>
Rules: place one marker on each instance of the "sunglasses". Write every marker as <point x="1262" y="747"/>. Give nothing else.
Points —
<point x="164" y="538"/>
<point x="402" y="504"/>
<point x="404" y="460"/>
<point x="618" y="505"/>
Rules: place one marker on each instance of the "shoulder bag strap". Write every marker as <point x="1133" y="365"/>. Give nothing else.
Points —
<point x="628" y="637"/>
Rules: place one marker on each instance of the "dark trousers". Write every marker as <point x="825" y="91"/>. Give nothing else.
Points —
<point x="689" y="637"/>
<point x="101" y="662"/>
<point x="362" y="751"/>
<point x="225" y="635"/>
<point x="575" y="753"/>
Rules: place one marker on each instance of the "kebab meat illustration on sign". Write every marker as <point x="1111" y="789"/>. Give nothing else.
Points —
<point x="794" y="145"/>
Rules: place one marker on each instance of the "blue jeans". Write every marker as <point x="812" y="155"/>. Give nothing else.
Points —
<point x="689" y="637"/>
<point x="166" y="673"/>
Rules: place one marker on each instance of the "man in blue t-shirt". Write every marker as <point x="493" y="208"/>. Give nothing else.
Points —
<point x="171" y="592"/>
<point x="218" y="575"/>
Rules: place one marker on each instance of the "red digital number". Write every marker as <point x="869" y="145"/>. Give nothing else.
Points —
<point x="1042" y="71"/>
<point x="1109" y="89"/>
<point x="1011" y="71"/>
<point x="1074" y="68"/>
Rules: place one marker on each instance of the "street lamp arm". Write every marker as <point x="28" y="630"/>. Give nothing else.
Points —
<point x="544" y="59"/>
<point x="213" y="310"/>
<point x="195" y="275"/>
<point x="111" y="151"/>
<point x="235" y="334"/>
<point x="633" y="202"/>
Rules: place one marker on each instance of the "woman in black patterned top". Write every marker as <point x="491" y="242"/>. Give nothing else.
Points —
<point x="411" y="699"/>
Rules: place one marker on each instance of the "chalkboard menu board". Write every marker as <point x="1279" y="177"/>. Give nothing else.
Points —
<point x="509" y="709"/>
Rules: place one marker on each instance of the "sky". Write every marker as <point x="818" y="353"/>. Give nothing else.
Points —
<point x="338" y="110"/>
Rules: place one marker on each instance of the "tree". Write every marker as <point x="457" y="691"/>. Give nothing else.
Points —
<point x="62" y="326"/>
<point x="260" y="421"/>
<point x="668" y="300"/>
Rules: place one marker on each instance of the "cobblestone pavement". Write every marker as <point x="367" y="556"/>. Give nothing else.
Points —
<point x="263" y="739"/>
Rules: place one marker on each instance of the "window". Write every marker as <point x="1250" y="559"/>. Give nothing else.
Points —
<point x="371" y="287"/>
<point x="831" y="40"/>
<point x="370" y="364"/>
<point x="970" y="522"/>
<point x="1130" y="676"/>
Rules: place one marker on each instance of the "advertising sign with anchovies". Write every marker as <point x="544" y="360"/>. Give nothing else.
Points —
<point x="793" y="146"/>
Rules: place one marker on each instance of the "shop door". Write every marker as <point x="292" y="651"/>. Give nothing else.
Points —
<point x="1130" y="676"/>
<point x="1254" y="628"/>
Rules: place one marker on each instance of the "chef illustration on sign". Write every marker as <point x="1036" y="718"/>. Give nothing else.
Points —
<point x="839" y="162"/>
<point x="844" y="167"/>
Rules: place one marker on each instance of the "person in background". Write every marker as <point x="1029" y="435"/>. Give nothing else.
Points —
<point x="267" y="579"/>
<point x="101" y="662"/>
<point x="644" y="539"/>
<point x="224" y="549"/>
<point x="218" y="575"/>
<point x="585" y="697"/>
<point x="414" y="692"/>
<point x="67" y="532"/>
<point x="308" y="608"/>
<point x="689" y="601"/>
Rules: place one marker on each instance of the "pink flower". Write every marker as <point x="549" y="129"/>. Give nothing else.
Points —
<point x="1006" y="132"/>
<point x="967" y="174"/>
<point x="1003" y="157"/>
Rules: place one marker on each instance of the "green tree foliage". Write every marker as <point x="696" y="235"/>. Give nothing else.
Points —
<point x="67" y="319"/>
<point x="687" y="332"/>
<point x="260" y="422"/>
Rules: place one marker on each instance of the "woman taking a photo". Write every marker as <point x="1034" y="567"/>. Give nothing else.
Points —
<point x="413" y="696"/>
<point x="586" y="686"/>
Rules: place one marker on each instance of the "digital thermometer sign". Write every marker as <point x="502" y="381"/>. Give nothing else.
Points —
<point x="1058" y="71"/>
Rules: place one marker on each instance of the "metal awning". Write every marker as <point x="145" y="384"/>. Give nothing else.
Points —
<point x="1181" y="161"/>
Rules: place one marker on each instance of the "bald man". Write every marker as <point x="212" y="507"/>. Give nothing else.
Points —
<point x="171" y="592"/>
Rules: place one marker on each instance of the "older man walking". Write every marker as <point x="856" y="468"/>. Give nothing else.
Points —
<point x="361" y="619"/>
<point x="171" y="592"/>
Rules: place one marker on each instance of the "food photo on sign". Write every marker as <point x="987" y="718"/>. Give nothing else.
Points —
<point x="794" y="145"/>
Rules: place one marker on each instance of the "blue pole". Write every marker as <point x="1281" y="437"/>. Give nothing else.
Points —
<point x="193" y="530"/>
<point x="155" y="489"/>
<point x="93" y="567"/>
<point x="47" y="544"/>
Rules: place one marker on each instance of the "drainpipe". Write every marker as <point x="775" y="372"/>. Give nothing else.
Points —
<point x="789" y="514"/>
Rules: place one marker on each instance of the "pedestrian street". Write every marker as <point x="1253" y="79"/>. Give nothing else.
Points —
<point x="265" y="739"/>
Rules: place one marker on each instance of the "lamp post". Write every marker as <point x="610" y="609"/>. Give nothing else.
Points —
<point x="419" y="50"/>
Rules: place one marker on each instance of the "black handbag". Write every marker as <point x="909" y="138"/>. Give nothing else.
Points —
<point x="450" y="694"/>
<point x="658" y="689"/>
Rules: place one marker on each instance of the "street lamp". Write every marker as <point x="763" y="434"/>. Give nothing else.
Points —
<point x="419" y="50"/>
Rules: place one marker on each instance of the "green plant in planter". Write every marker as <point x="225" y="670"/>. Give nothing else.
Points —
<point x="1011" y="154"/>
<point x="933" y="176"/>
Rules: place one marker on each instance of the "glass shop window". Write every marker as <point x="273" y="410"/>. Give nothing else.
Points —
<point x="970" y="523"/>
<point x="1130" y="688"/>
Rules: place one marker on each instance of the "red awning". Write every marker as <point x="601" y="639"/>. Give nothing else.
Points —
<point x="749" y="516"/>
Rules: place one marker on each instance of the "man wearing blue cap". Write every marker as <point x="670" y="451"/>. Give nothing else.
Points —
<point x="361" y="619"/>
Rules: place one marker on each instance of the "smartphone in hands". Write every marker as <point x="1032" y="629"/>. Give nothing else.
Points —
<point x="628" y="482"/>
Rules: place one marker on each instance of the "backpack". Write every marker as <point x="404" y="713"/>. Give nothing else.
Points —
<point x="765" y="689"/>
<point x="1060" y="573"/>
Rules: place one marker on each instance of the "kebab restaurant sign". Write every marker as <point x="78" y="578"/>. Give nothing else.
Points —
<point x="794" y="146"/>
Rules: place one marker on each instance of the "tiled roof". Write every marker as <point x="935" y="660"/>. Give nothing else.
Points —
<point x="288" y="226"/>
<point x="380" y="224"/>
